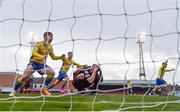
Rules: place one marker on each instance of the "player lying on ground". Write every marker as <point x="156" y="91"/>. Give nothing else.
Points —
<point x="38" y="63"/>
<point x="67" y="62"/>
<point x="87" y="77"/>
<point x="159" y="80"/>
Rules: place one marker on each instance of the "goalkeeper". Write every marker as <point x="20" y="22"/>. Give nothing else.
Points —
<point x="38" y="63"/>
<point x="87" y="77"/>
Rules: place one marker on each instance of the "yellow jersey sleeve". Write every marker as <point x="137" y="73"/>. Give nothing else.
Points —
<point x="53" y="56"/>
<point x="77" y="64"/>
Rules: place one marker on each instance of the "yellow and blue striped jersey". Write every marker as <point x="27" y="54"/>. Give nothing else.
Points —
<point x="129" y="84"/>
<point x="41" y="51"/>
<point x="162" y="72"/>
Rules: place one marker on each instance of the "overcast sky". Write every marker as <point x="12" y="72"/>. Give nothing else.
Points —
<point x="165" y="24"/>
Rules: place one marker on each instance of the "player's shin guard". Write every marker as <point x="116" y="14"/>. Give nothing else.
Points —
<point x="48" y="80"/>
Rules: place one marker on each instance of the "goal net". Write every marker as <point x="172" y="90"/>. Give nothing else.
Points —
<point x="103" y="32"/>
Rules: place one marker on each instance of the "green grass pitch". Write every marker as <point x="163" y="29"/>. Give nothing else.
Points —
<point x="84" y="102"/>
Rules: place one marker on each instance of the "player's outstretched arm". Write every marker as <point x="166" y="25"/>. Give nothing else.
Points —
<point x="77" y="64"/>
<point x="54" y="57"/>
<point x="168" y="70"/>
<point x="172" y="69"/>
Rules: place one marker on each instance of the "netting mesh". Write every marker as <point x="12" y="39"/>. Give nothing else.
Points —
<point x="101" y="32"/>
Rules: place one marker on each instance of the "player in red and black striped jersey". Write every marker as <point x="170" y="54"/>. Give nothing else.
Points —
<point x="86" y="77"/>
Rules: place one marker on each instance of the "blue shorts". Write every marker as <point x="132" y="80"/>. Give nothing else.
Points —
<point x="61" y="75"/>
<point x="160" y="81"/>
<point x="37" y="66"/>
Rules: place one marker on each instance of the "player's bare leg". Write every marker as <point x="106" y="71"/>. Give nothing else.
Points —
<point x="56" y="82"/>
<point x="50" y="75"/>
<point x="66" y="79"/>
<point x="28" y="72"/>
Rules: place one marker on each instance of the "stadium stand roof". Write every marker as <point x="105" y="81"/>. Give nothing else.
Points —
<point x="134" y="81"/>
<point x="8" y="73"/>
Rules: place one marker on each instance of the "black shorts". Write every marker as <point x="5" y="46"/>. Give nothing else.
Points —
<point x="26" y="86"/>
<point x="81" y="84"/>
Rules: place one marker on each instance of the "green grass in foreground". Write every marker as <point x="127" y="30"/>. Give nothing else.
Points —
<point x="84" y="103"/>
